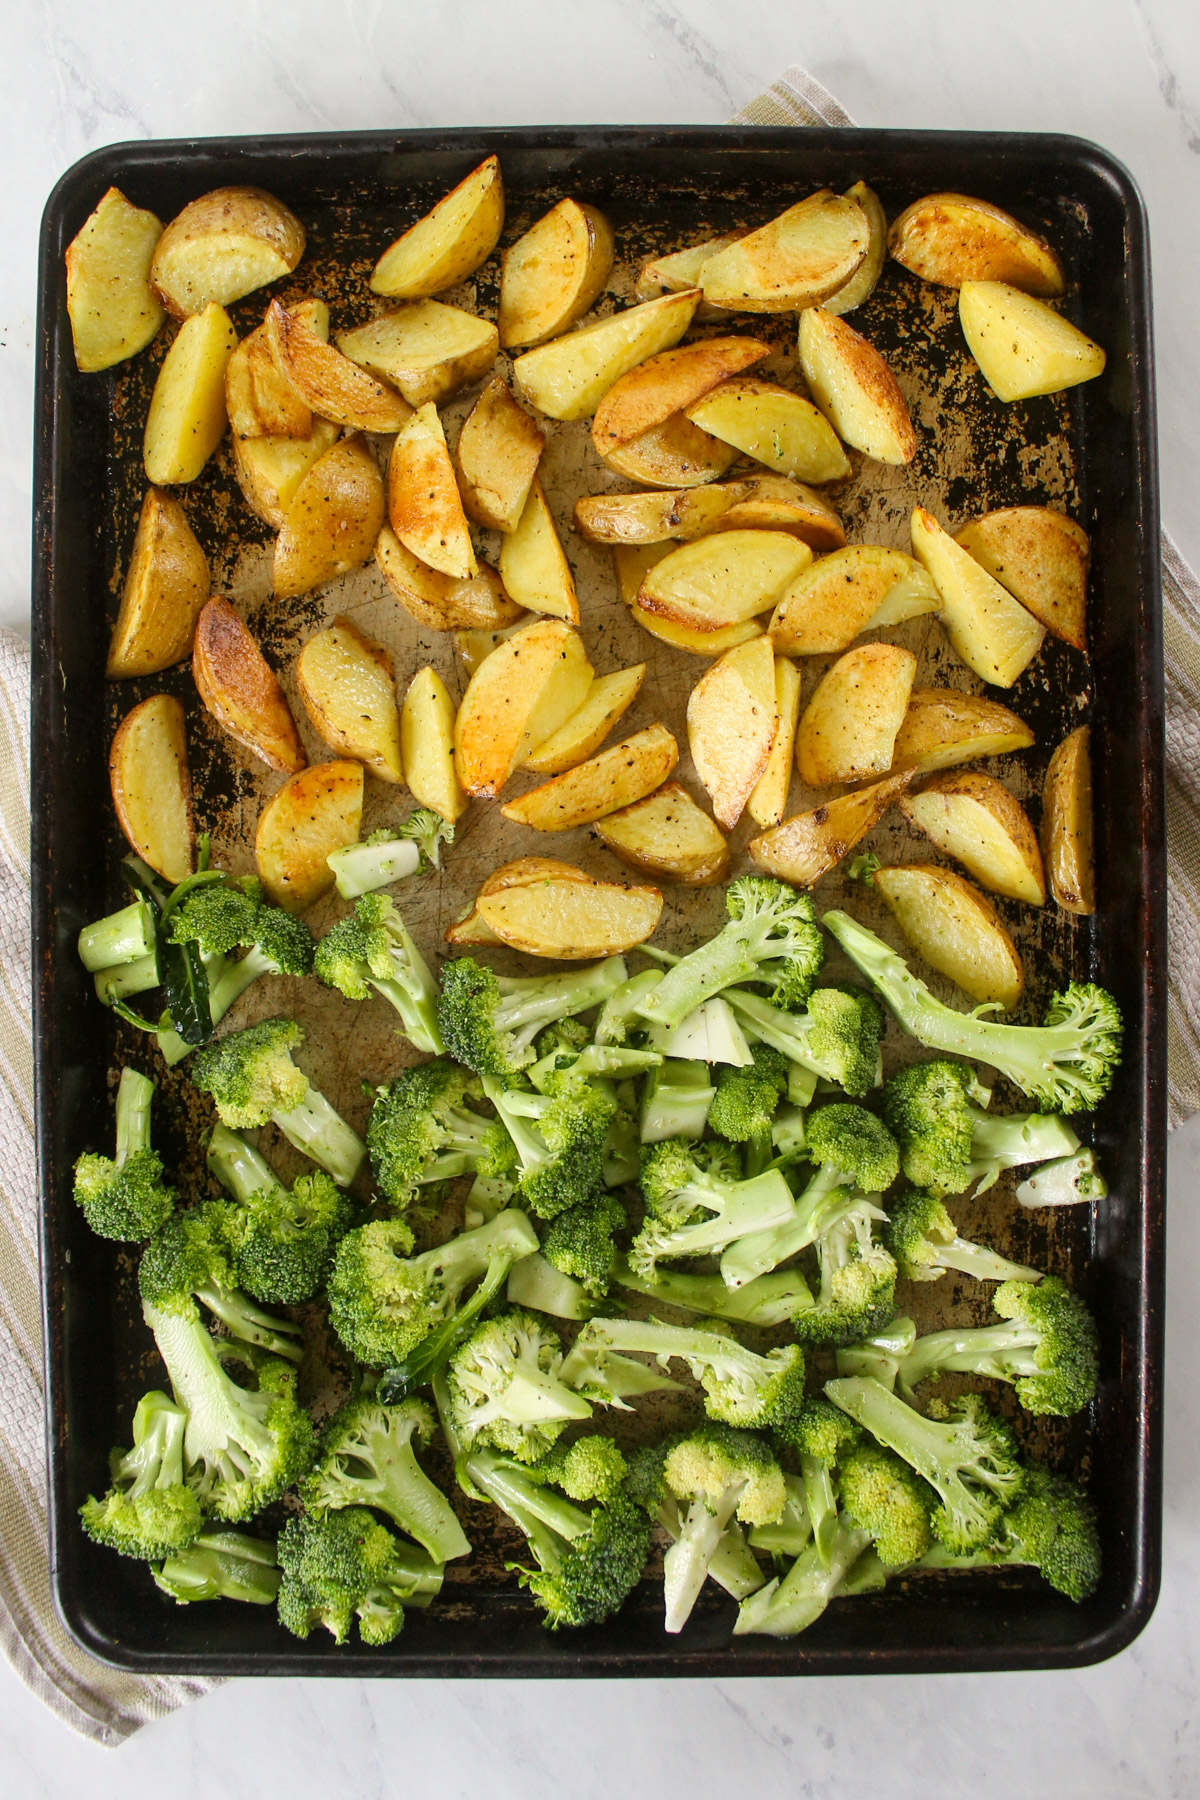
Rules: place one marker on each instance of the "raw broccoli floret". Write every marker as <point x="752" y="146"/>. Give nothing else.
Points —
<point x="389" y="855"/>
<point x="717" y="1473"/>
<point x="836" y="1038"/>
<point x="489" y="1021"/>
<point x="559" y="1140"/>
<point x="771" y="1299"/>
<point x="676" y="1099"/>
<point x="818" y="1435"/>
<point x="855" y="1145"/>
<point x="194" y="1257"/>
<point x="694" y="1208"/>
<point x="367" y="1457"/>
<point x="251" y="1076"/>
<point x="422" y="1130"/>
<point x="746" y="1101"/>
<point x="579" y="1242"/>
<point x="732" y="1565"/>
<point x="348" y="1565"/>
<point x="1066" y="1182"/>
<point x="590" y="1468"/>
<point x="947" y="1143"/>
<point x="149" y="1511"/>
<point x="283" y="1241"/>
<point x="740" y="1387"/>
<point x="1051" y="1528"/>
<point x="1048" y="1350"/>
<point x="923" y="1239"/>
<point x="126" y="1198"/>
<point x="373" y="949"/>
<point x="786" y="1608"/>
<point x="881" y="1494"/>
<point x="221" y="1565"/>
<point x="506" y="1390"/>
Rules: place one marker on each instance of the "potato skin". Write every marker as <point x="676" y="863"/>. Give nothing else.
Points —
<point x="1067" y="832"/>
<point x="165" y="588"/>
<point x="203" y="254"/>
<point x="334" y="519"/>
<point x="808" y="845"/>
<point x="152" y="788"/>
<point x="944" y="727"/>
<point x="242" y="691"/>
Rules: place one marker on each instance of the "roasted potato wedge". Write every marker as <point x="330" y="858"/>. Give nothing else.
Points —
<point x="473" y="643"/>
<point x="333" y="386"/>
<point x="992" y="632"/>
<point x="1041" y="557"/>
<point x="1067" y="824"/>
<point x="808" y="845"/>
<point x="672" y="513"/>
<point x="673" y="454"/>
<point x="114" y="312"/>
<point x="554" y="273"/>
<point x="470" y="929"/>
<point x="768" y="803"/>
<point x="449" y="242"/>
<point x="609" y="697"/>
<point x="956" y="929"/>
<point x="438" y="602"/>
<point x="849" y="727"/>
<point x="680" y="270"/>
<point x="270" y="470"/>
<point x="617" y="777"/>
<point x="944" y="727"/>
<point x="662" y="385"/>
<point x="348" y="687"/>
<point x="518" y="697"/>
<point x="259" y="400"/>
<point x="497" y="456"/>
<point x="533" y="563"/>
<point x="151" y="786"/>
<point x="731" y="721"/>
<point x="166" y="585"/>
<point x="723" y="579"/>
<point x="427" y="350"/>
<point x="223" y="246"/>
<point x="242" y="691"/>
<point x="571" y="919"/>
<point x="186" y="419"/>
<point x="838" y="597"/>
<point x="632" y="563"/>
<point x="668" y="836"/>
<point x="912" y="597"/>
<point x="951" y="239"/>
<point x="1023" y="347"/>
<point x="855" y="389"/>
<point x="861" y="284"/>
<point x="333" y="521"/>
<point x="774" y="426"/>
<point x="424" y="506"/>
<point x="314" y="813"/>
<point x="977" y="821"/>
<point x="777" y="503"/>
<point x="568" y="378"/>
<point x="697" y="643"/>
<point x="793" y="261"/>
<point x="427" y="740"/>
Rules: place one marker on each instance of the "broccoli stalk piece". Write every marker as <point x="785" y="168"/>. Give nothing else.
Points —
<point x="740" y="1387"/>
<point x="923" y="1239"/>
<point x="772" y="1299"/>
<point x="771" y="937"/>
<point x="422" y="1130"/>
<point x="946" y="1143"/>
<point x="880" y="1354"/>
<point x="149" y="1511"/>
<point x="121" y="938"/>
<point x="489" y="1021"/>
<point x="1047" y="1350"/>
<point x="1052" y="1528"/>
<point x="883" y="1495"/>
<point x="537" y="1284"/>
<point x="373" y="949"/>
<point x="193" y="1257"/>
<point x="786" y="1608"/>
<point x="835" y="1039"/>
<point x="746" y="1102"/>
<point x="711" y="1034"/>
<point x="622" y="1146"/>
<point x="347" y="1565"/>
<point x="252" y="1078"/>
<point x="126" y="1198"/>
<point x="676" y="1101"/>
<point x="1066" y="1064"/>
<point x="283" y="1241"/>
<point x="367" y="1457"/>
<point x="557" y="1067"/>
<point x="386" y="856"/>
<point x="506" y="1389"/>
<point x="818" y="1435"/>
<point x="792" y="1532"/>
<point x="559" y="1140"/>
<point x="221" y="1565"/>
<point x="124" y="980"/>
<point x="619" y="1021"/>
<point x="693" y="1210"/>
<point x="1065" y="1182"/>
<point x="717" y="1473"/>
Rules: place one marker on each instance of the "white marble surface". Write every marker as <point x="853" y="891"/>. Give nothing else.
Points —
<point x="75" y="74"/>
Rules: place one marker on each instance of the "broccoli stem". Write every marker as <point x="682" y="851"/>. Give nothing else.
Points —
<point x="785" y="1608"/>
<point x="675" y="1101"/>
<point x="732" y="1565"/>
<point x="124" y="980"/>
<point x="619" y="1011"/>
<point x="221" y="1565"/>
<point x="1001" y="1352"/>
<point x="595" y="1059"/>
<point x="134" y="1094"/>
<point x="821" y="1502"/>
<point x="536" y="1283"/>
<point x="322" y="1134"/>
<point x="361" y="868"/>
<point x="981" y="1263"/>
<point x="771" y="1299"/>
<point x="248" y="1323"/>
<point x="1066" y="1182"/>
<point x="687" y="1562"/>
<point x="879" y="1356"/>
<point x="735" y="954"/>
<point x="529" y="1002"/>
<point x="234" y="978"/>
<point x="734" y="1211"/>
<point x="239" y="1167"/>
<point x="543" y="1515"/>
<point x="812" y="1213"/>
<point x="226" y="1424"/>
<point x="784" y="1031"/>
<point x="122" y="937"/>
<point x="1008" y="1142"/>
<point x="434" y="1351"/>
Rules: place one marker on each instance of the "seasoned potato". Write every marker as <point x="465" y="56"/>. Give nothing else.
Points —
<point x="667" y="835"/>
<point x="438" y="602"/>
<point x="662" y="385"/>
<point x="329" y="382"/>
<point x="793" y="261"/>
<point x="673" y="454"/>
<point x="424" y="506"/>
<point x="808" y="845"/>
<point x="568" y="378"/>
<point x="731" y="722"/>
<point x="348" y="687"/>
<point x="632" y="563"/>
<point x="992" y="632"/>
<point x="187" y="417"/>
<point x="777" y="503"/>
<point x="854" y="388"/>
<point x="609" y="697"/>
<point x="1042" y="559"/>
<point x="473" y="643"/>
<point x="270" y="469"/>
<point x="951" y="239"/>
<point x="518" y="697"/>
<point x="497" y="456"/>
<point x="449" y="242"/>
<point x="944" y="727"/>
<point x="242" y="691"/>
<point x="768" y="803"/>
<point x="427" y="740"/>
<point x="571" y="919"/>
<point x="680" y="270"/>
<point x="223" y="246"/>
<point x="114" y="312"/>
<point x="680" y="513"/>
<point x="978" y="822"/>
<point x="723" y="579"/>
<point x="1023" y="347"/>
<point x="427" y="350"/>
<point x="314" y="813"/>
<point x="1067" y="824"/>
<point x="849" y="726"/>
<point x="686" y="637"/>
<point x="617" y="777"/>
<point x="554" y="273"/>
<point x="259" y="400"/>
<point x="151" y="786"/>
<point x="774" y="426"/>
<point x="333" y="521"/>
<point x="956" y="929"/>
<point x="835" y="599"/>
<point x="470" y="929"/>
<point x="861" y="284"/>
<point x="912" y="597"/>
<point x="166" y="585"/>
<point x="533" y="563"/>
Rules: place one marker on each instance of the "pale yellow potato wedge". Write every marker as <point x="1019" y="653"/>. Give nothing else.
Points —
<point x="424" y="506"/>
<point x="568" y="378"/>
<point x="723" y="579"/>
<point x="554" y="273"/>
<point x="835" y="599"/>
<point x="1023" y="347"/>
<point x="849" y="727"/>
<point x="680" y="269"/>
<point x="855" y="389"/>
<point x="333" y="386"/>
<point x="335" y="516"/>
<point x="533" y="563"/>
<point x="951" y="239"/>
<point x="992" y="632"/>
<point x="186" y="420"/>
<point x="774" y="426"/>
<point x="151" y="786"/>
<point x="668" y="836"/>
<point x="439" y="602"/>
<point x="518" y="697"/>
<point x="114" y="312"/>
<point x="242" y="691"/>
<point x="617" y="777"/>
<point x="449" y="242"/>
<point x="731" y="722"/>
<point x="673" y="454"/>
<point x="662" y="385"/>
<point x="473" y="643"/>
<point x="348" y="687"/>
<point x="976" y="820"/>
<point x="1041" y="557"/>
<point x="697" y="643"/>
<point x="672" y="513"/>
<point x="861" y="284"/>
<point x="912" y="597"/>
<point x="768" y="803"/>
<point x="632" y="563"/>
<point x="526" y="870"/>
<point x="793" y="261"/>
<point x="165" y="587"/>
<point x="777" y="503"/>
<point x="497" y="456"/>
<point x="945" y="727"/>
<point x="570" y="919"/>
<point x="222" y="246"/>
<point x="270" y="469"/>
<point x="314" y="813"/>
<point x="427" y="350"/>
<point x="956" y="929"/>
<point x="259" y="400"/>
<point x="609" y="697"/>
<point x="427" y="741"/>
<point x="1067" y="824"/>
<point x="810" y="844"/>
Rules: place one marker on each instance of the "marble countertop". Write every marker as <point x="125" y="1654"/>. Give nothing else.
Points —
<point x="76" y="74"/>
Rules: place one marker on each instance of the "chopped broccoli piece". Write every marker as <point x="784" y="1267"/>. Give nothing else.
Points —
<point x="732" y="1565"/>
<point x="922" y="1238"/>
<point x="619" y="1021"/>
<point x="855" y="1143"/>
<point x="883" y="1495"/>
<point x="717" y="1473"/>
<point x="534" y="1283"/>
<point x="786" y="1608"/>
<point x="149" y="1511"/>
<point x="283" y="1242"/>
<point x="251" y="1076"/>
<point x="1048" y="1350"/>
<point x="506" y="1390"/>
<point x="489" y="1021"/>
<point x="771" y="938"/>
<point x="559" y="1068"/>
<point x="390" y="855"/>
<point x="746" y="1102"/>
<point x="579" y="1242"/>
<point x="792" y="1531"/>
<point x="347" y="1565"/>
<point x="694" y="1210"/>
<point x="880" y="1354"/>
<point x="947" y="1143"/>
<point x="711" y="1034"/>
<point x="559" y="1141"/>
<point x="817" y="1435"/>
<point x="835" y="1039"/>
<point x="1051" y="1528"/>
<point x="123" y="937"/>
<point x="193" y="1257"/>
<point x="367" y="1457"/>
<point x="676" y="1101"/>
<point x="590" y="1468"/>
<point x="772" y="1299"/>
<point x="740" y="1387"/>
<point x="422" y="1130"/>
<point x="1065" y="1182"/>
<point x="221" y="1565"/>
<point x="373" y="949"/>
<point x="124" y="980"/>
<point x="126" y="1198"/>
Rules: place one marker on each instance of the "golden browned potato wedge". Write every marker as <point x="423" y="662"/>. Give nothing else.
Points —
<point x="314" y="813"/>
<point x="992" y="632"/>
<point x="768" y="803"/>
<point x="424" y="506"/>
<point x="333" y="521"/>
<point x="793" y="261"/>
<point x="242" y="691"/>
<point x="731" y="721"/>
<point x="151" y="786"/>
<point x="427" y="739"/>
<point x="114" y="312"/>
<point x="1042" y="559"/>
<point x="609" y="697"/>
<point x="187" y="417"/>
<point x="723" y="579"/>
<point x="849" y="727"/>
<point x="776" y="503"/>
<point x="518" y="697"/>
<point x="438" y="601"/>
<point x="617" y="777"/>
<point x="912" y="597"/>
<point x="977" y="821"/>
<point x="854" y="388"/>
<point x="554" y="273"/>
<point x="839" y="596"/>
<point x="944" y="727"/>
<point x="571" y="919"/>
<point x="774" y="426"/>
<point x="165" y="587"/>
<point x="667" y="835"/>
<point x="329" y="382"/>
<point x="348" y="687"/>
<point x="697" y="643"/>
<point x="259" y="400"/>
<point x="449" y="242"/>
<point x="223" y="246"/>
<point x="950" y="239"/>
<point x="808" y="845"/>
<point x="861" y="284"/>
<point x="427" y="350"/>
<point x="1023" y="347"/>
<point x="470" y="929"/>
<point x="533" y="563"/>
<point x="568" y="378"/>
<point x="680" y="270"/>
<point x="759" y="502"/>
<point x="270" y="470"/>
<point x="497" y="455"/>
<point x="662" y="385"/>
<point x="673" y="454"/>
<point x="956" y="929"/>
<point x="473" y="643"/>
<point x="632" y="563"/>
<point x="1067" y="824"/>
